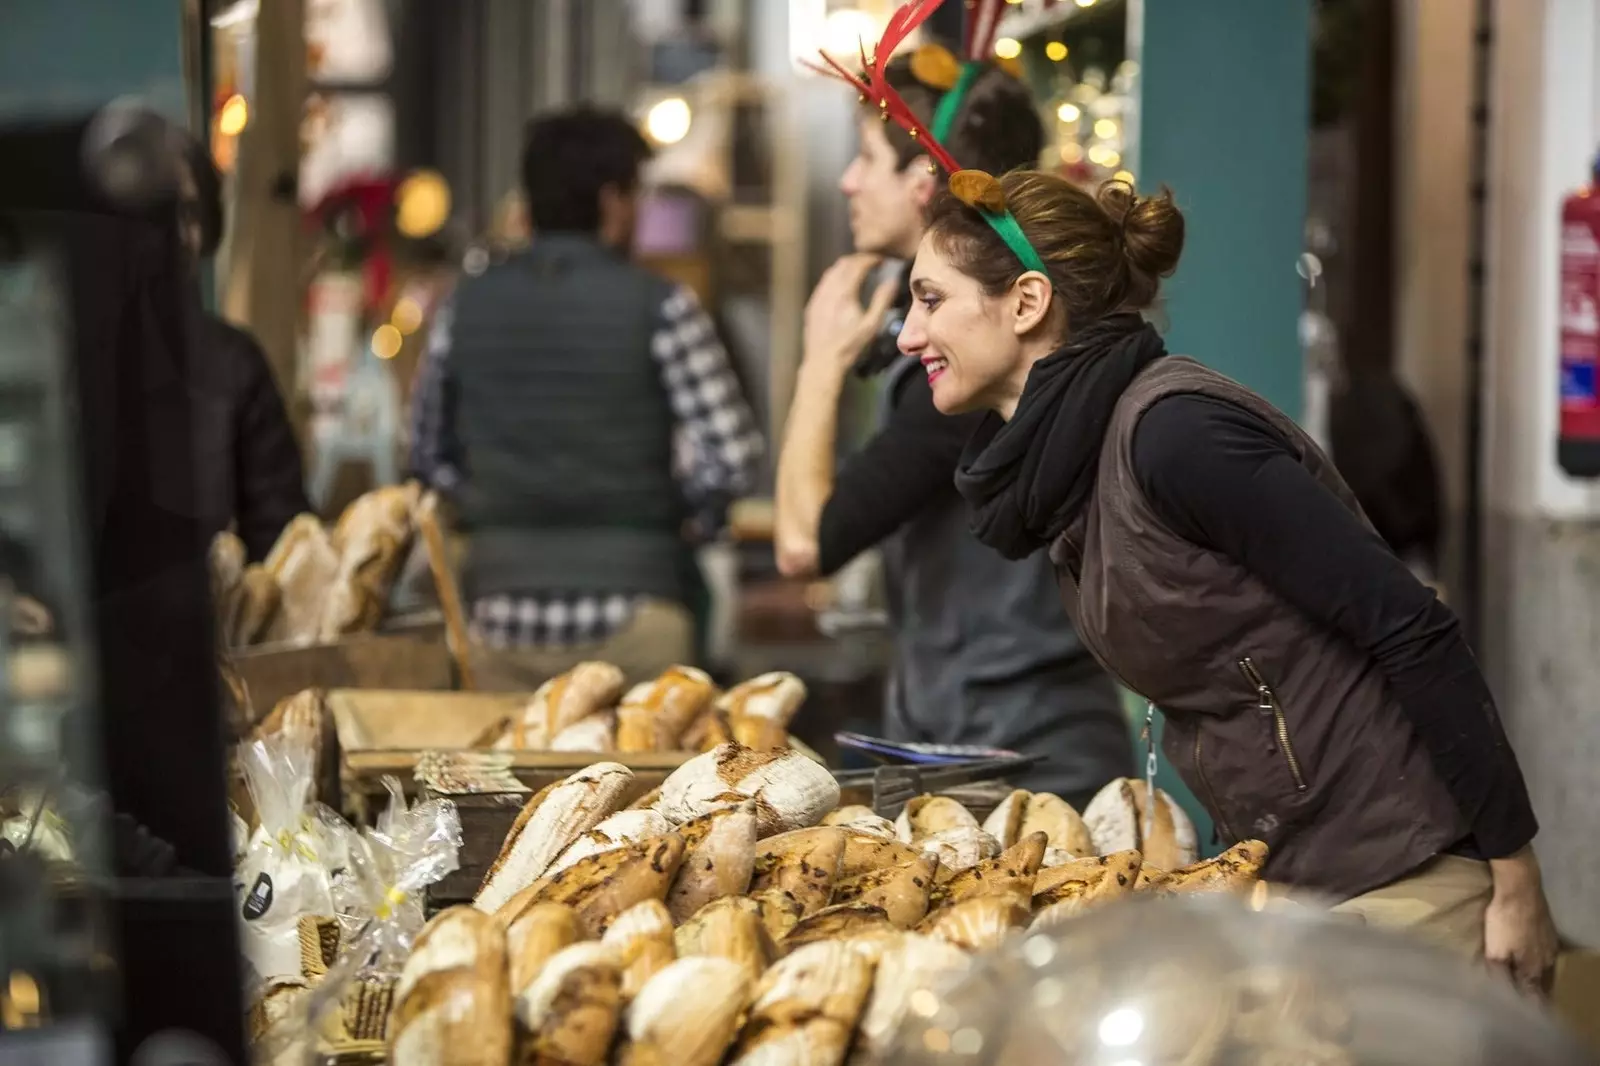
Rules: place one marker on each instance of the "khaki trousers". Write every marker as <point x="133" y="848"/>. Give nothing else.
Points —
<point x="659" y="635"/>
<point x="1444" y="901"/>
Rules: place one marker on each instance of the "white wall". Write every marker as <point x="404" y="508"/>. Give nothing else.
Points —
<point x="1545" y="125"/>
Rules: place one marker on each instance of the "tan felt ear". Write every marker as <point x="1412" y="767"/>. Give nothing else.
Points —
<point x="935" y="67"/>
<point x="978" y="189"/>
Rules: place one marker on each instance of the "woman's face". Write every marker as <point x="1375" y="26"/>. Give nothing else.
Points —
<point x="967" y="341"/>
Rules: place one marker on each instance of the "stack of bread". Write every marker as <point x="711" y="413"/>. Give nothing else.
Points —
<point x="590" y="709"/>
<point x="737" y="914"/>
<point x="317" y="584"/>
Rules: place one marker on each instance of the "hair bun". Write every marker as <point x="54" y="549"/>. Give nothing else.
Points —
<point x="1152" y="226"/>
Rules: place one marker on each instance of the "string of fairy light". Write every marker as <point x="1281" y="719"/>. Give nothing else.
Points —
<point x="1090" y="109"/>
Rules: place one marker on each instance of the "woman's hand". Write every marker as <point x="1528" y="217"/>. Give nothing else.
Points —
<point x="1519" y="936"/>
<point x="837" y="326"/>
<point x="29" y="617"/>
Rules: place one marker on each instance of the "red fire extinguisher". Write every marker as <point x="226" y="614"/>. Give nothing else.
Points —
<point x="1578" y="447"/>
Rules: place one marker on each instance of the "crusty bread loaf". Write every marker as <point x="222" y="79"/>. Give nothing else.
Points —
<point x="305" y="564"/>
<point x="550" y="821"/>
<point x="371" y="537"/>
<point x="452" y="1004"/>
<point x="251" y="607"/>
<point x="1121" y="818"/>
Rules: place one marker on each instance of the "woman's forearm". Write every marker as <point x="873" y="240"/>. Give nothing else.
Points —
<point x="805" y="467"/>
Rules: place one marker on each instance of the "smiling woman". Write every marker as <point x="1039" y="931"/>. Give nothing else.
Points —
<point x="1317" y="697"/>
<point x="1105" y="251"/>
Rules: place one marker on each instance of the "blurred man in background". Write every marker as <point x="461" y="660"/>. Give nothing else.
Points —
<point x="984" y="652"/>
<point x="250" y="474"/>
<point x="582" y="415"/>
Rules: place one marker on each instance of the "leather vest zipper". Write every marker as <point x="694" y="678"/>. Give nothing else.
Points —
<point x="1219" y="821"/>
<point x="1267" y="704"/>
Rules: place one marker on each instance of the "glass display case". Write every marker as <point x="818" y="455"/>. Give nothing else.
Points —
<point x="55" y="982"/>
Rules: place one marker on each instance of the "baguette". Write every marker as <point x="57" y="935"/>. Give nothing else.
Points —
<point x="654" y="715"/>
<point x="565" y="700"/>
<point x="371" y="538"/>
<point x="602" y="886"/>
<point x="791" y="791"/>
<point x="687" y="1014"/>
<point x="775" y="696"/>
<point x="548" y="824"/>
<point x="719" y="859"/>
<point x="568" y="1014"/>
<point x="641" y="938"/>
<point x="902" y="891"/>
<point x="731" y="928"/>
<point x="1063" y="828"/>
<point x="806" y="1007"/>
<point x="452" y="1003"/>
<point x="305" y="565"/>
<point x="537" y="934"/>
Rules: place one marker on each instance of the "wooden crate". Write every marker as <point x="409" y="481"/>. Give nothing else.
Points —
<point x="411" y="656"/>
<point x="382" y="732"/>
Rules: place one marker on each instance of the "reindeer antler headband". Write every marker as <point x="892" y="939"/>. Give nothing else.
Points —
<point x="933" y="65"/>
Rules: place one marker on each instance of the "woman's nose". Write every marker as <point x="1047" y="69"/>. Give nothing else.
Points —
<point x="914" y="331"/>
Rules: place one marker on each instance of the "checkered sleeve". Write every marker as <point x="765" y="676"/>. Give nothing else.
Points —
<point x="433" y="458"/>
<point x="720" y="444"/>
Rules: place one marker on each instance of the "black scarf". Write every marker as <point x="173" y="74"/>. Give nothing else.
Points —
<point x="1028" y="478"/>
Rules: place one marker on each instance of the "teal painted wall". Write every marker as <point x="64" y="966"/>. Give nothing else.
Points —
<point x="65" y="56"/>
<point x="1224" y="122"/>
<point x="1224" y="117"/>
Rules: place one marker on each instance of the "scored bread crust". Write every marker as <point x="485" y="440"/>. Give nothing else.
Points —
<point x="564" y="700"/>
<point x="790" y="790"/>
<point x="305" y="565"/>
<point x="1115" y="819"/>
<point x="453" y="999"/>
<point x="371" y="537"/>
<point x="718" y="860"/>
<point x="547" y="825"/>
<point x="776" y="696"/>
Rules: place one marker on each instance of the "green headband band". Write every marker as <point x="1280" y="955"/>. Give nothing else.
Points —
<point x="944" y="119"/>
<point x="944" y="116"/>
<point x="1005" y="224"/>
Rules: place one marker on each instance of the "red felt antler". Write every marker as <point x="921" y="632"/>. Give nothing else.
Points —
<point x="874" y="85"/>
<point x="983" y="26"/>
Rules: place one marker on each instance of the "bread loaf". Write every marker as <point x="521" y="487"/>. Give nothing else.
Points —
<point x="305" y="565"/>
<point x="452" y="1004"/>
<point x="791" y="791"/>
<point x="1117" y="821"/>
<point x="547" y="825"/>
<point x="371" y="539"/>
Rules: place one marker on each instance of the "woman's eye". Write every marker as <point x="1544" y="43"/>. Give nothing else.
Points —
<point x="930" y="301"/>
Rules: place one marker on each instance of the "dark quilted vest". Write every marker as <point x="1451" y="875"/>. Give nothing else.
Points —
<point x="1284" y="730"/>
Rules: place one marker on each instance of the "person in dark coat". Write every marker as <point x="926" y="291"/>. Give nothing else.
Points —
<point x="250" y="473"/>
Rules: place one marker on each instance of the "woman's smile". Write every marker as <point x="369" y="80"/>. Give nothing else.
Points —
<point x="935" y="365"/>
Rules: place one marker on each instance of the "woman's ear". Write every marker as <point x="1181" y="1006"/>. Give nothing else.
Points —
<point x="1031" y="299"/>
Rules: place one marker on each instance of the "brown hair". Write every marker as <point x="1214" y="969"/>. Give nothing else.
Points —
<point x="997" y="128"/>
<point x="1106" y="250"/>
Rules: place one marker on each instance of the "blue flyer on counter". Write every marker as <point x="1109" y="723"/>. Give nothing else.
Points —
<point x="925" y="754"/>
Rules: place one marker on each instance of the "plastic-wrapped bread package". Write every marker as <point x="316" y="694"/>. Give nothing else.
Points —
<point x="286" y="870"/>
<point x="378" y="907"/>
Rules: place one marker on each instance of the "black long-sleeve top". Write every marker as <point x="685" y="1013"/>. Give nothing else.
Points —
<point x="1224" y="479"/>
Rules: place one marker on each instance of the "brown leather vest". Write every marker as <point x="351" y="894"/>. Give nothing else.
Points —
<point x="1285" y="731"/>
